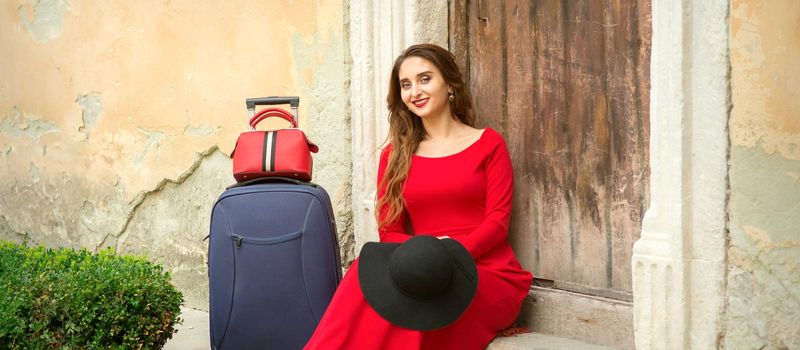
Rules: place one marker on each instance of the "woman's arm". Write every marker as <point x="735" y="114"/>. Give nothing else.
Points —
<point x="393" y="232"/>
<point x="499" y="189"/>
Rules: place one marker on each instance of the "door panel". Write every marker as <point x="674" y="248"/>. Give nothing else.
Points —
<point x="567" y="83"/>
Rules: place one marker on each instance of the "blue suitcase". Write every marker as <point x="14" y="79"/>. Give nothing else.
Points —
<point x="273" y="264"/>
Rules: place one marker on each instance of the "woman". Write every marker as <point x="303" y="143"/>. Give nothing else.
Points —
<point x="442" y="177"/>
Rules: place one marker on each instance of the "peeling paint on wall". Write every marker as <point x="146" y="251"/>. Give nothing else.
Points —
<point x="764" y="253"/>
<point x="17" y="125"/>
<point x="157" y="223"/>
<point x="34" y="171"/>
<point x="763" y="286"/>
<point x="765" y="47"/>
<point x="118" y="117"/>
<point x="7" y="233"/>
<point x="202" y="130"/>
<point x="153" y="143"/>
<point x="92" y="107"/>
<point x="48" y="19"/>
<point x="323" y="104"/>
<point x="141" y="196"/>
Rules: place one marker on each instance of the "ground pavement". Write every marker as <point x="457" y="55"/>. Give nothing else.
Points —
<point x="193" y="335"/>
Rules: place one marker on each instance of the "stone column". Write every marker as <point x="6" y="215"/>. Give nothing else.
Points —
<point x="379" y="31"/>
<point x="679" y="262"/>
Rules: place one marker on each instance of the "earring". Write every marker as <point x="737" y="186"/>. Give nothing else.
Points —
<point x="451" y="97"/>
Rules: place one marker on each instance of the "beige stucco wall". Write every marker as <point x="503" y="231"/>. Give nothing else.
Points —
<point x="117" y="117"/>
<point x="763" y="290"/>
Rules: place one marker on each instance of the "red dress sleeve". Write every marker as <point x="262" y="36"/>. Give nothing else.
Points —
<point x="393" y="232"/>
<point x="499" y="188"/>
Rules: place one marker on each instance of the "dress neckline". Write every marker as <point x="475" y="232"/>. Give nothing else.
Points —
<point x="483" y="134"/>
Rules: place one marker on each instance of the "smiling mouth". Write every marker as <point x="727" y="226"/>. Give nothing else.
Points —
<point x="420" y="103"/>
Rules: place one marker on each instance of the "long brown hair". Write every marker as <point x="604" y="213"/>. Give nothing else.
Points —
<point x="406" y="130"/>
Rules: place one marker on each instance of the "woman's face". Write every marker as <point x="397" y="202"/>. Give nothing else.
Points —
<point x="422" y="88"/>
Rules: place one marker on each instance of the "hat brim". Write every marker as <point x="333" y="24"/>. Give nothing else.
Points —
<point x="405" y="311"/>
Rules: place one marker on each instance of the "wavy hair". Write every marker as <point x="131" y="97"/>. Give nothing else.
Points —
<point x="406" y="130"/>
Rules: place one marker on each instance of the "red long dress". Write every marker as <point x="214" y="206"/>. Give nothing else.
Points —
<point x="466" y="196"/>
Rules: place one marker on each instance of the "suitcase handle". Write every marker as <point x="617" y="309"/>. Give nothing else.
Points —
<point x="292" y="101"/>
<point x="271" y="112"/>
<point x="271" y="179"/>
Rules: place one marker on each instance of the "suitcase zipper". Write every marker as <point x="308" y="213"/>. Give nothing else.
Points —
<point x="265" y="241"/>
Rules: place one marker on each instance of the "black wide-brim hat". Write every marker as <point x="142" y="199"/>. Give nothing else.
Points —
<point x="423" y="284"/>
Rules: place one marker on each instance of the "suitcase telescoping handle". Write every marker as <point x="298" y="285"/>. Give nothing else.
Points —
<point x="292" y="101"/>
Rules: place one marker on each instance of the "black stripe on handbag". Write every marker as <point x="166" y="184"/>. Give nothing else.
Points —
<point x="272" y="153"/>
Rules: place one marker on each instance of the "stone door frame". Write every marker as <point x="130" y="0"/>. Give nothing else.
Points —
<point x="679" y="263"/>
<point x="378" y="31"/>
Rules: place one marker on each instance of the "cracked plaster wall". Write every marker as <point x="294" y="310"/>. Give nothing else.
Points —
<point x="763" y="286"/>
<point x="116" y="117"/>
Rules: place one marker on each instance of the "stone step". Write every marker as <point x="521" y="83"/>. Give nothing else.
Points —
<point x="538" y="341"/>
<point x="590" y="319"/>
<point x="193" y="335"/>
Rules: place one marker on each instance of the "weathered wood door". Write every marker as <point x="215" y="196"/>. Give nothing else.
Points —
<point x="567" y="83"/>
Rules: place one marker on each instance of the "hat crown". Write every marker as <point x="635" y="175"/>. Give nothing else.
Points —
<point x="421" y="268"/>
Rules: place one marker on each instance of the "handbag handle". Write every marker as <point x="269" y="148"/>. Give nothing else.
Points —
<point x="272" y="112"/>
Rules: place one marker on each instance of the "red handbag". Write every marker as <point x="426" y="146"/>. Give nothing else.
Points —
<point x="282" y="152"/>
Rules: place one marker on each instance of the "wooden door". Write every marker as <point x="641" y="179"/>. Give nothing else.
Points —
<point x="567" y="83"/>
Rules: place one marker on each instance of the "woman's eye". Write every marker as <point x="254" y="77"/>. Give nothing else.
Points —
<point x="405" y="85"/>
<point x="425" y="79"/>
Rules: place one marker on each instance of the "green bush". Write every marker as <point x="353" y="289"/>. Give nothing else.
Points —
<point x="73" y="299"/>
